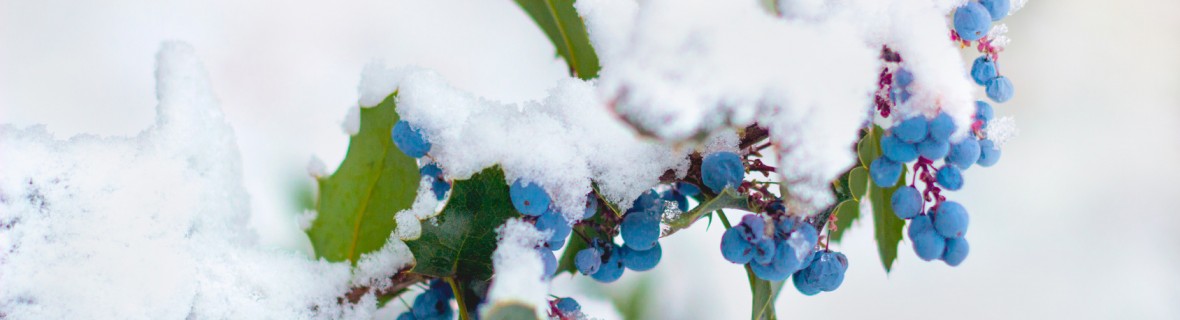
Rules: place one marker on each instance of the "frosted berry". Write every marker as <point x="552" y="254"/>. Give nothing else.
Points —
<point x="529" y="198"/>
<point x="409" y="140"/>
<point x="972" y="21"/>
<point x="722" y="169"/>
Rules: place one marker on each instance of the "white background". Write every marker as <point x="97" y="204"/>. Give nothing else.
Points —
<point x="1076" y="221"/>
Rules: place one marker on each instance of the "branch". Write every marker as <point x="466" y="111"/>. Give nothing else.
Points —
<point x="401" y="281"/>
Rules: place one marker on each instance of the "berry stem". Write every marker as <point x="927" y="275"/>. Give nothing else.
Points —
<point x="458" y="293"/>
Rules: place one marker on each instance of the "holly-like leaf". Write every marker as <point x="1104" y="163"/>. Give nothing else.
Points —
<point x="357" y="203"/>
<point x="764" y="294"/>
<point x="846" y="213"/>
<point x="728" y="199"/>
<point x="886" y="225"/>
<point x="462" y="240"/>
<point x="566" y="30"/>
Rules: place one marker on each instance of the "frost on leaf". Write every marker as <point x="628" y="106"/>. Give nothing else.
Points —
<point x="152" y="226"/>
<point x="358" y="202"/>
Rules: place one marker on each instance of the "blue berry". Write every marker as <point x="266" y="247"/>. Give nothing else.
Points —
<point x="927" y="243"/>
<point x="965" y="153"/>
<point x="786" y="259"/>
<point x="640" y="230"/>
<point x="591" y="206"/>
<point x="956" y="251"/>
<point x="642" y="260"/>
<point x="529" y="198"/>
<point x="768" y="272"/>
<point x="902" y="78"/>
<point x="722" y="169"/>
<point x="898" y="150"/>
<point x="433" y="303"/>
<point x="932" y="149"/>
<point x="989" y="154"/>
<point x="899" y="95"/>
<point x="438" y="184"/>
<point x="409" y="140"/>
<point x="998" y="9"/>
<point x="983" y="70"/>
<point x="885" y="172"/>
<point x="753" y="228"/>
<point x="835" y="266"/>
<point x="588" y="260"/>
<point x="763" y="251"/>
<point x="826" y="272"/>
<point x="941" y="127"/>
<point x="911" y="130"/>
<point x="611" y="269"/>
<point x="553" y="220"/>
<point x="568" y="305"/>
<point x="736" y="249"/>
<point x="650" y="201"/>
<point x="906" y="202"/>
<point x="984" y="112"/>
<point x="807" y="236"/>
<point x="950" y="177"/>
<point x="950" y="220"/>
<point x="972" y="21"/>
<point x="408" y="315"/>
<point x="549" y="261"/>
<point x="1000" y="89"/>
<point x="805" y="287"/>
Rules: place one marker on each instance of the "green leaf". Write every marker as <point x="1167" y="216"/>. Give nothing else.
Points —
<point x="886" y="225"/>
<point x="727" y="199"/>
<point x="462" y="241"/>
<point x="764" y="293"/>
<point x="510" y="311"/>
<point x="858" y="182"/>
<point x="357" y="203"/>
<point x="846" y="213"/>
<point x="868" y="149"/>
<point x="566" y="30"/>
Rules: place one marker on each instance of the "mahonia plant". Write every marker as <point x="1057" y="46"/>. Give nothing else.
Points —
<point x="486" y="207"/>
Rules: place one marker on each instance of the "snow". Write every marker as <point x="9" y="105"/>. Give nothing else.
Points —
<point x="562" y="142"/>
<point x="1002" y="130"/>
<point x="374" y="269"/>
<point x="148" y="227"/>
<point x="425" y="206"/>
<point x="519" y="272"/>
<point x="352" y="121"/>
<point x="679" y="70"/>
<point x="316" y="168"/>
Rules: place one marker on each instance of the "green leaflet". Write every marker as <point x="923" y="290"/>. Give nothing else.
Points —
<point x="764" y="294"/>
<point x="727" y="199"/>
<point x="357" y="203"/>
<point x="886" y="225"/>
<point x="566" y="30"/>
<point x="848" y="211"/>
<point x="461" y="242"/>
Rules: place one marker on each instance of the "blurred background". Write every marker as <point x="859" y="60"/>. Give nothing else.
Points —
<point x="1076" y="221"/>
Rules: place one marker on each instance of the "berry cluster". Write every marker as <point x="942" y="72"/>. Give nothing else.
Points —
<point x="605" y="261"/>
<point x="434" y="303"/>
<point x="925" y="141"/>
<point x="972" y="21"/>
<point x="531" y="200"/>
<point x="410" y="141"/>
